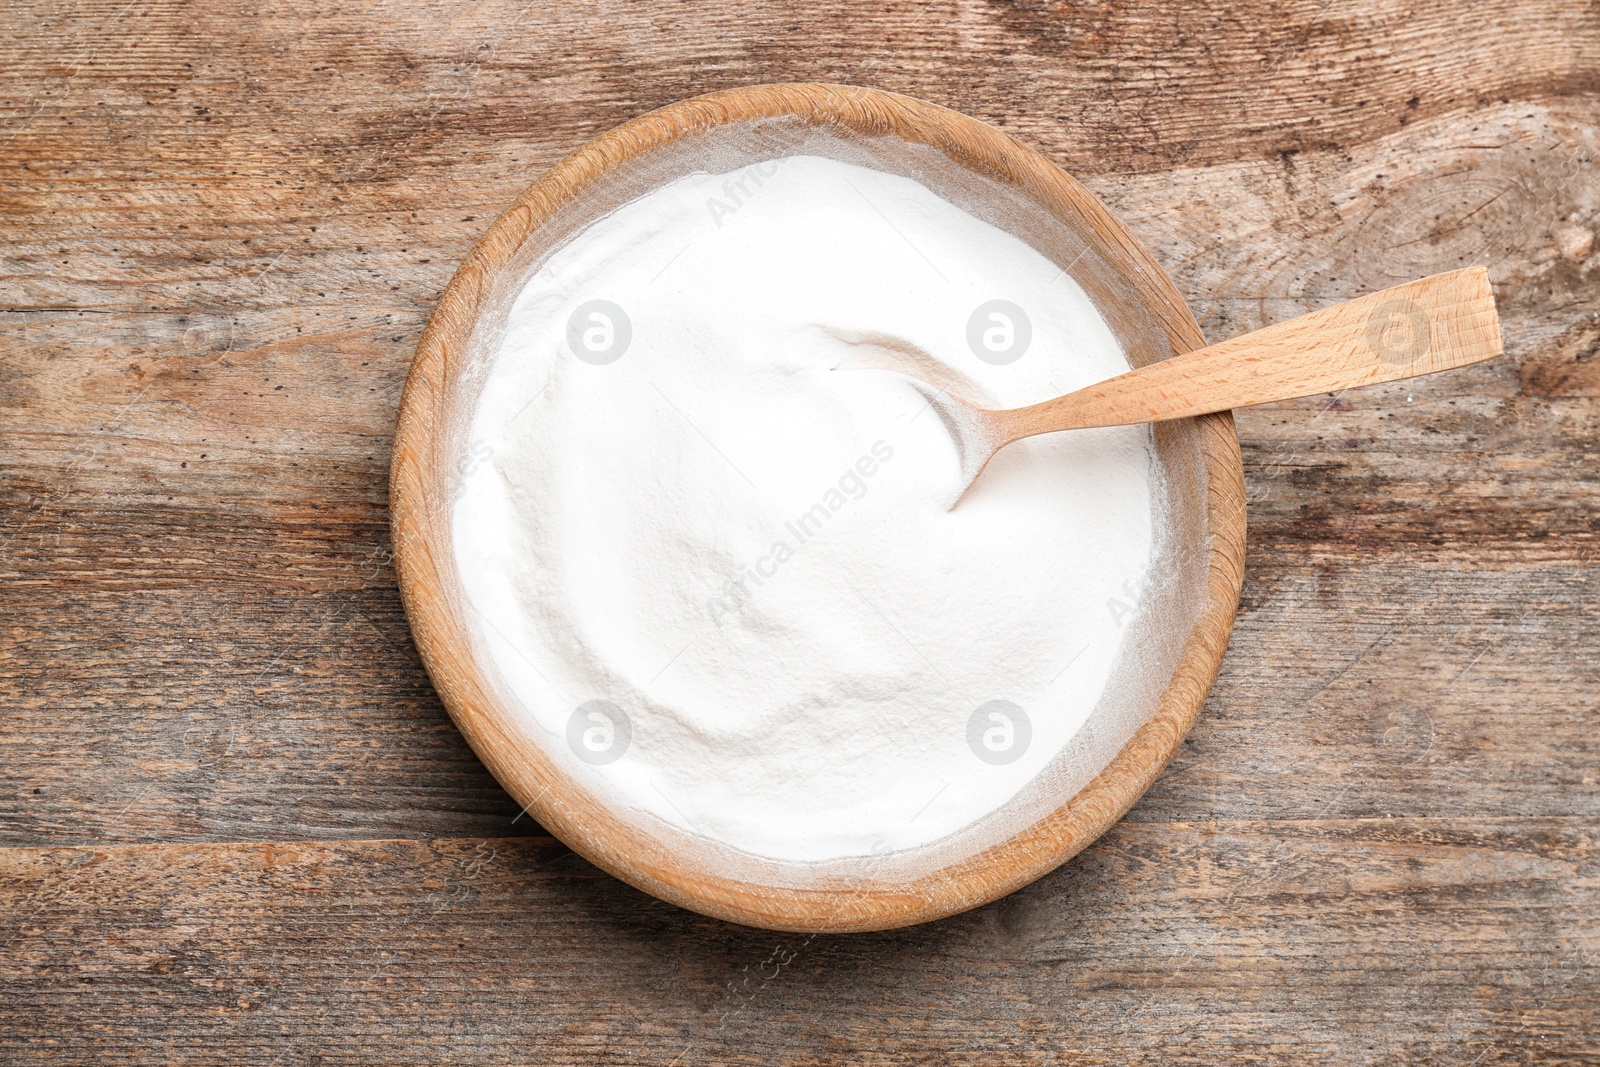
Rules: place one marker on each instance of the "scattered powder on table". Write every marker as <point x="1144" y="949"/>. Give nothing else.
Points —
<point x="710" y="556"/>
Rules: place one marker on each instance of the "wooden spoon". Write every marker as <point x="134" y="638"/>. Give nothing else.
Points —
<point x="1444" y="321"/>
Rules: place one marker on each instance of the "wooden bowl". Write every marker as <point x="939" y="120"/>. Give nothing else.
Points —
<point x="1174" y="648"/>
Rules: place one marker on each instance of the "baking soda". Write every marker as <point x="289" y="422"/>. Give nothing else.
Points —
<point x="704" y="531"/>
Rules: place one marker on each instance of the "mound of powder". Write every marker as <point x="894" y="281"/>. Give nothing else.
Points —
<point x="709" y="554"/>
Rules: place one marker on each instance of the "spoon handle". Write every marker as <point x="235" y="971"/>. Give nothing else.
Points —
<point x="1443" y="321"/>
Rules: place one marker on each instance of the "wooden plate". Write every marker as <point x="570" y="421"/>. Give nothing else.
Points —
<point x="1173" y="649"/>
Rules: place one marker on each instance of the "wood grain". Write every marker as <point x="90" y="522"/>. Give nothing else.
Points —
<point x="1433" y="940"/>
<point x="202" y="204"/>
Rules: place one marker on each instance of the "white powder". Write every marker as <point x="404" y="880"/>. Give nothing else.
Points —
<point x="718" y="574"/>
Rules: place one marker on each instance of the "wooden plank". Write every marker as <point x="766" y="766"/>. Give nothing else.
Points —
<point x="1120" y="90"/>
<point x="1417" y="688"/>
<point x="1348" y="940"/>
<point x="260" y="408"/>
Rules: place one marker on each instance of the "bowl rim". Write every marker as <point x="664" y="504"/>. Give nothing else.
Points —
<point x="566" y="808"/>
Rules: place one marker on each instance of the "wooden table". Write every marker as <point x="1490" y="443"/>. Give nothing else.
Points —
<point x="238" y="826"/>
